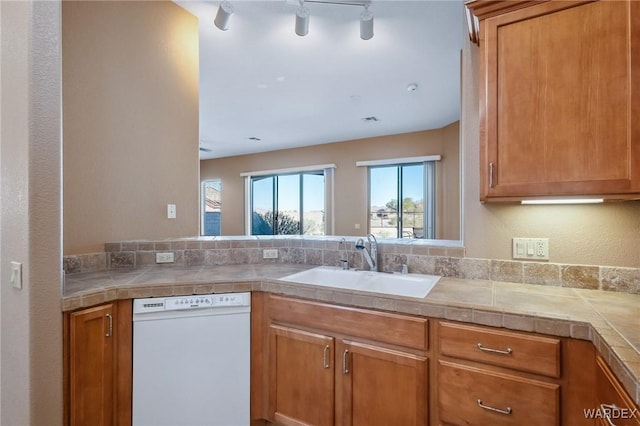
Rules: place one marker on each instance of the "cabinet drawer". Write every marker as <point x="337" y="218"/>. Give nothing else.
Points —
<point x="472" y="396"/>
<point x="534" y="354"/>
<point x="612" y="399"/>
<point x="383" y="327"/>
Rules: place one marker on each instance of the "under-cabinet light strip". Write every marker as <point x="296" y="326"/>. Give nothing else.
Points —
<point x="565" y="201"/>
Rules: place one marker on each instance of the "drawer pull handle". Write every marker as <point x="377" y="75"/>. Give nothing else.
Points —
<point x="606" y="410"/>
<point x="325" y="357"/>
<point x="495" y="410"/>
<point x="509" y="351"/>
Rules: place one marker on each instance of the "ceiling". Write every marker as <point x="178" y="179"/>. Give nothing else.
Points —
<point x="264" y="88"/>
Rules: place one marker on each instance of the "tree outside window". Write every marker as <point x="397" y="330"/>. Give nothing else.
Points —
<point x="288" y="204"/>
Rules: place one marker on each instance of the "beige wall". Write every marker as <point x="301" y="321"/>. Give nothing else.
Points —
<point x="597" y="235"/>
<point x="30" y="214"/>
<point x="130" y="96"/>
<point x="350" y="181"/>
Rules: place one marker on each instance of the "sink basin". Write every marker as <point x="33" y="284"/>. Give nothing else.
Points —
<point x="410" y="285"/>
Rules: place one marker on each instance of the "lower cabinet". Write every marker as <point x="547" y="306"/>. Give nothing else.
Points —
<point x="489" y="375"/>
<point x="498" y="377"/>
<point x="328" y="377"/>
<point x="320" y="364"/>
<point x="98" y="355"/>
<point x="613" y="405"/>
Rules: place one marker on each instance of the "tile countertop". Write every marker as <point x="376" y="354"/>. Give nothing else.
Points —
<point x="610" y="320"/>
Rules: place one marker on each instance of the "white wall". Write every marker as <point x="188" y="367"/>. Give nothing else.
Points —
<point x="30" y="229"/>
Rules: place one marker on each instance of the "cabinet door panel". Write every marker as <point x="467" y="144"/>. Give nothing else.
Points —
<point x="558" y="101"/>
<point x="301" y="370"/>
<point x="91" y="370"/>
<point x="380" y="386"/>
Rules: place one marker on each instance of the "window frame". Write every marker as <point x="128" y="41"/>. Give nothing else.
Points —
<point x="203" y="205"/>
<point x="326" y="170"/>
<point x="429" y="190"/>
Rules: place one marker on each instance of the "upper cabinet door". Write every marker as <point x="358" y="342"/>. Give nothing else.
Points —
<point x="558" y="92"/>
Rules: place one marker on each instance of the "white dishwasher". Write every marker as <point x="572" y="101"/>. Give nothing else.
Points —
<point x="191" y="360"/>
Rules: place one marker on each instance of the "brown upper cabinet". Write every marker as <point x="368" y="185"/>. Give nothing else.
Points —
<point x="559" y="98"/>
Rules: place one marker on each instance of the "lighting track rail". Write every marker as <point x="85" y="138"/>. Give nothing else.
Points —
<point x="226" y="10"/>
<point x="363" y="3"/>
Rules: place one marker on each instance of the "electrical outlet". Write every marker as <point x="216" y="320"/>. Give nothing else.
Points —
<point x="530" y="248"/>
<point x="270" y="253"/>
<point x="165" y="257"/>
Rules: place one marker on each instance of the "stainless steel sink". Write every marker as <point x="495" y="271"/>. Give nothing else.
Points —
<point x="410" y="285"/>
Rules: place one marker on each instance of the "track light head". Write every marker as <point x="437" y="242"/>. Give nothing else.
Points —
<point x="366" y="24"/>
<point x="302" y="21"/>
<point x="225" y="10"/>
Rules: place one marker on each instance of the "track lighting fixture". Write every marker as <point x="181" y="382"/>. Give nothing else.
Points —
<point x="366" y="23"/>
<point x="302" y="20"/>
<point x="225" y="10"/>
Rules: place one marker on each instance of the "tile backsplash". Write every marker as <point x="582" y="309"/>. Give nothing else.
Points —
<point x="426" y="258"/>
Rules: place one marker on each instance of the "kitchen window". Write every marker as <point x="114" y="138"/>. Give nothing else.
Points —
<point x="211" y="207"/>
<point x="289" y="202"/>
<point x="402" y="202"/>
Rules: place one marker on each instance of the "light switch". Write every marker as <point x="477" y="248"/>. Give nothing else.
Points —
<point x="16" y="275"/>
<point x="171" y="211"/>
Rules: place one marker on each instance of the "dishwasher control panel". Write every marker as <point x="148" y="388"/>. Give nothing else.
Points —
<point x="206" y="301"/>
<point x="191" y="302"/>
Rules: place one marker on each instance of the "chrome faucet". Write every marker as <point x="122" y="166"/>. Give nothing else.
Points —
<point x="370" y="256"/>
<point x="345" y="257"/>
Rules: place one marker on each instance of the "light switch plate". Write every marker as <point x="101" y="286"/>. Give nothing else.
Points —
<point x="171" y="211"/>
<point x="16" y="275"/>
<point x="530" y="248"/>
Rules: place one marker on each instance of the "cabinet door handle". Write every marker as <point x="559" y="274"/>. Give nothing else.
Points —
<point x="509" y="351"/>
<point x="492" y="166"/>
<point x="345" y="361"/>
<point x="495" y="410"/>
<point x="325" y="357"/>
<point x="606" y="410"/>
<point x="110" y="329"/>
